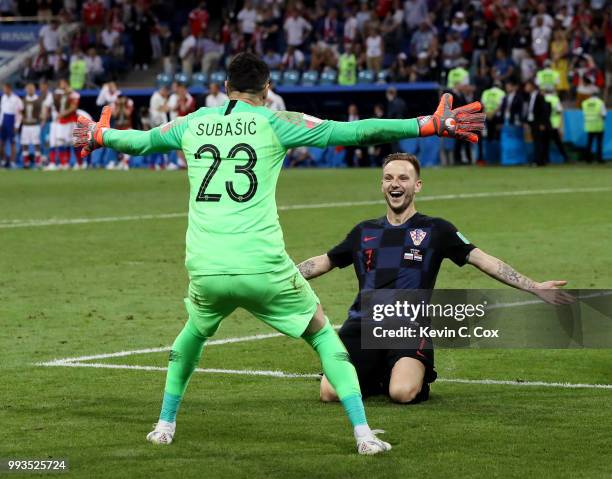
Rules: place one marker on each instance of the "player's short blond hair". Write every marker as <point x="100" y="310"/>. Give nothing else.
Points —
<point x="413" y="160"/>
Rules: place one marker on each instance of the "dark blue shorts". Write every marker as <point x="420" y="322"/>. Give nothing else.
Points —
<point x="7" y="130"/>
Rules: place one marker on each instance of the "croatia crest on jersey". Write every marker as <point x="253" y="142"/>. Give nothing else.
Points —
<point x="417" y="236"/>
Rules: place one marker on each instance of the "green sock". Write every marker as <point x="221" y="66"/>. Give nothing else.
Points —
<point x="339" y="370"/>
<point x="184" y="358"/>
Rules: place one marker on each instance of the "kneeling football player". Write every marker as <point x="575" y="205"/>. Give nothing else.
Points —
<point x="404" y="250"/>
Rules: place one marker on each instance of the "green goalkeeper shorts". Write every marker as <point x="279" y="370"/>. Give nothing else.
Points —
<point x="282" y="299"/>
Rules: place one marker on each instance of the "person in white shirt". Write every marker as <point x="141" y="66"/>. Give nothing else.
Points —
<point x="187" y="50"/>
<point x="247" y="18"/>
<point x="293" y="59"/>
<point x="540" y="40"/>
<point x="158" y="107"/>
<point x="49" y="36"/>
<point x="296" y="28"/>
<point x="350" y="28"/>
<point x="108" y="94"/>
<point x="31" y="114"/>
<point x="274" y="101"/>
<point x="10" y="117"/>
<point x="374" y="50"/>
<point x="547" y="20"/>
<point x="95" y="68"/>
<point x="215" y="96"/>
<point x="109" y="37"/>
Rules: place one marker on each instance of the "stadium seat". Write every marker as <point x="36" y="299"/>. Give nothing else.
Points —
<point x="163" y="79"/>
<point x="310" y="78"/>
<point x="291" y="77"/>
<point x="365" y="76"/>
<point x="199" y="79"/>
<point x="382" y="76"/>
<point x="328" y="77"/>
<point x="276" y="76"/>
<point x="182" y="78"/>
<point x="218" y="77"/>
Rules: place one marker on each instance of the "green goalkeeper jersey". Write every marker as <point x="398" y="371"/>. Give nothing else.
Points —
<point x="234" y="154"/>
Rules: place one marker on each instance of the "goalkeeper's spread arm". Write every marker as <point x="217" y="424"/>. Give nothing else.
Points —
<point x="463" y="123"/>
<point x="91" y="135"/>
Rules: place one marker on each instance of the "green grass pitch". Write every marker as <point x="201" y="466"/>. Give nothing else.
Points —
<point x="92" y="287"/>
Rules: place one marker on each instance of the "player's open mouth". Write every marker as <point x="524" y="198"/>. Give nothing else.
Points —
<point x="396" y="194"/>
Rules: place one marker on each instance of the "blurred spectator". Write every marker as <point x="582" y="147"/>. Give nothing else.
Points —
<point x="32" y="116"/>
<point x="594" y="111"/>
<point x="212" y="52"/>
<point x="458" y="75"/>
<point x="479" y="42"/>
<point x="451" y="51"/>
<point x="247" y="18"/>
<point x="215" y="96"/>
<point x="422" y="70"/>
<point x="93" y="17"/>
<point x="559" y="51"/>
<point x="10" y="115"/>
<point x="273" y="59"/>
<point x="528" y="66"/>
<point x="109" y="93"/>
<point x="540" y="39"/>
<point x="181" y="103"/>
<point x="521" y="44"/>
<point x="393" y="27"/>
<point x="49" y="36"/>
<point x="396" y="106"/>
<point x="584" y="77"/>
<point x="503" y="68"/>
<point x="511" y="109"/>
<point x="354" y="156"/>
<point x="187" y="51"/>
<point x="460" y="26"/>
<point x="556" y="119"/>
<point x="198" y="19"/>
<point x="538" y="118"/>
<point x="167" y="49"/>
<point x="541" y="18"/>
<point x="296" y="29"/>
<point x="400" y="70"/>
<point x="322" y="56"/>
<point x="158" y="107"/>
<point x="274" y="101"/>
<point x="95" y="70"/>
<point x="293" y="59"/>
<point x="299" y="156"/>
<point x="78" y="70"/>
<point x="416" y="12"/>
<point x="121" y="118"/>
<point x="270" y="30"/>
<point x="363" y="17"/>
<point x="331" y="29"/>
<point x="350" y="27"/>
<point x="109" y="37"/>
<point x="547" y="79"/>
<point x="423" y="40"/>
<point x="7" y="8"/>
<point x="347" y="66"/>
<point x="139" y="26"/>
<point x="492" y="99"/>
<point x="374" y="50"/>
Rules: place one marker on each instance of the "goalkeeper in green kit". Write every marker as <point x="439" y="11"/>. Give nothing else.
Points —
<point x="235" y="250"/>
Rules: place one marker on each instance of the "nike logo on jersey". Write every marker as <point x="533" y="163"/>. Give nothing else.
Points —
<point x="368" y="238"/>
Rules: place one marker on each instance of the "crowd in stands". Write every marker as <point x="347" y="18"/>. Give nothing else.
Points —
<point x="500" y="49"/>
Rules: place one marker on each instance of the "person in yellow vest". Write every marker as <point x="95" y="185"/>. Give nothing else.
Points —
<point x="458" y="75"/>
<point x="547" y="79"/>
<point x="78" y="70"/>
<point x="491" y="100"/>
<point x="556" y="118"/>
<point x="347" y="67"/>
<point x="594" y="111"/>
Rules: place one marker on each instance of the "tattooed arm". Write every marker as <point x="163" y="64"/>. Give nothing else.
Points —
<point x="315" y="266"/>
<point x="497" y="269"/>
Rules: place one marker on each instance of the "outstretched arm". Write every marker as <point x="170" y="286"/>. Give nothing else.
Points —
<point x="296" y="129"/>
<point x="315" y="266"/>
<point x="91" y="135"/>
<point x="548" y="291"/>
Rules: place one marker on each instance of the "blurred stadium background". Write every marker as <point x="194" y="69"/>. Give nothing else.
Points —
<point x="343" y="60"/>
<point x="91" y="264"/>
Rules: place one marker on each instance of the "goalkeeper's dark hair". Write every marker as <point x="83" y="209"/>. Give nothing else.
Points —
<point x="413" y="160"/>
<point x="247" y="73"/>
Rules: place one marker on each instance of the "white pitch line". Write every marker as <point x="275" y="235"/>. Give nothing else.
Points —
<point x="119" y="354"/>
<point x="26" y="223"/>
<point x="282" y="374"/>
